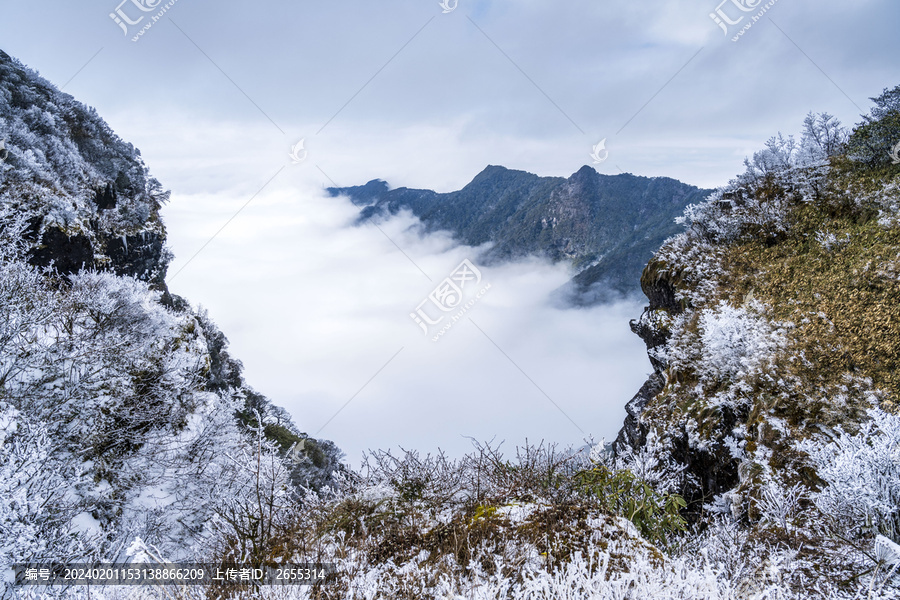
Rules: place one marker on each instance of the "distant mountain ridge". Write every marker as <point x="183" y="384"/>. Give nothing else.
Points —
<point x="607" y="226"/>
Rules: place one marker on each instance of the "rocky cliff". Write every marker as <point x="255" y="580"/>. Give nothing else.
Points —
<point x="89" y="198"/>
<point x="122" y="413"/>
<point x="774" y="335"/>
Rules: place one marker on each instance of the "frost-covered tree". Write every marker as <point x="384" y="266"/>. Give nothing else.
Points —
<point x="823" y="137"/>
<point x="872" y="141"/>
<point x="255" y="501"/>
<point x="106" y="420"/>
<point x="39" y="519"/>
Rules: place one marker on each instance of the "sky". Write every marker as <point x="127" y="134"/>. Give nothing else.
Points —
<point x="425" y="94"/>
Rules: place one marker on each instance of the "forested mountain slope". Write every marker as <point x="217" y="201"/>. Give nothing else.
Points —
<point x="606" y="226"/>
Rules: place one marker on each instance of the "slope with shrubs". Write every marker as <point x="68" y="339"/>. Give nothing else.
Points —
<point x="774" y="332"/>
<point x="122" y="415"/>
<point x="761" y="460"/>
<point x="87" y="196"/>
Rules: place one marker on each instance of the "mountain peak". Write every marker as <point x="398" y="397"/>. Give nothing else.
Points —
<point x="362" y="195"/>
<point x="585" y="171"/>
<point x="496" y="171"/>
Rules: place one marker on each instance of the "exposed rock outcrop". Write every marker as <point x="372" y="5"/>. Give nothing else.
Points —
<point x="88" y="202"/>
<point x="760" y="320"/>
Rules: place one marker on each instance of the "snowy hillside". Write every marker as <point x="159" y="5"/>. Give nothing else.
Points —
<point x="86" y="195"/>
<point x="122" y="416"/>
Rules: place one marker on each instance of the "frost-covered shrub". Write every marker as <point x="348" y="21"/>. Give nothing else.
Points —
<point x="107" y="430"/>
<point x="830" y="241"/>
<point x="736" y="342"/>
<point x="862" y="470"/>
<point x="58" y="143"/>
<point x="778" y="504"/>
<point x="39" y="518"/>
<point x="255" y="503"/>
<point x="731" y="344"/>
<point x="823" y="137"/>
<point x="757" y="203"/>
<point x="708" y="221"/>
<point x="778" y="155"/>
<point x="651" y="463"/>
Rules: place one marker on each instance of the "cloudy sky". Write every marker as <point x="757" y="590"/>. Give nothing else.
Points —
<point x="215" y="94"/>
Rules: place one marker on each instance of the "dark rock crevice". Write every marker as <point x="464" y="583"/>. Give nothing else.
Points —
<point x="708" y="471"/>
<point x="142" y="256"/>
<point x="632" y="433"/>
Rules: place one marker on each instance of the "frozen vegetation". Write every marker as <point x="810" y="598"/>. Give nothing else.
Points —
<point x="760" y="461"/>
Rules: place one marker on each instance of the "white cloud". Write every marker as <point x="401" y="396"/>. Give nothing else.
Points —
<point x="314" y="307"/>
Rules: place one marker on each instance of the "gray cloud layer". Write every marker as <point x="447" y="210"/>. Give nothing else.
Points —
<point x="419" y="96"/>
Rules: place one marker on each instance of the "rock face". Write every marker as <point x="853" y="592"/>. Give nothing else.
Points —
<point x="631" y="433"/>
<point x="142" y="256"/>
<point x="759" y="325"/>
<point x="709" y="470"/>
<point x="67" y="254"/>
<point x="607" y="227"/>
<point x="85" y="200"/>
<point x="87" y="196"/>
